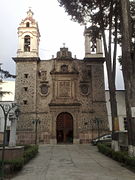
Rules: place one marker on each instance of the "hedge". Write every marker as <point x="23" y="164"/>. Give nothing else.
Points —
<point x="30" y="153"/>
<point x="12" y="166"/>
<point x="119" y="156"/>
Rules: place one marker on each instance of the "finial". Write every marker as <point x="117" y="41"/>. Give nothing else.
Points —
<point x="30" y="13"/>
<point x="64" y="45"/>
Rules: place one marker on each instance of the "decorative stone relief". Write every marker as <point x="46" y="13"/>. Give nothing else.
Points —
<point x="84" y="89"/>
<point x="64" y="68"/>
<point x="64" y="88"/>
<point x="43" y="75"/>
<point x="44" y="89"/>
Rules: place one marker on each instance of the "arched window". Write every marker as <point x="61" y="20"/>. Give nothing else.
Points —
<point x="27" y="24"/>
<point x="27" y="43"/>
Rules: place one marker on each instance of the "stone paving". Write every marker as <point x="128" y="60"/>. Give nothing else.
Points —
<point x="73" y="162"/>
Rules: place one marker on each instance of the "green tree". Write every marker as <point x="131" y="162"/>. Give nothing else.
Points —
<point x="4" y="74"/>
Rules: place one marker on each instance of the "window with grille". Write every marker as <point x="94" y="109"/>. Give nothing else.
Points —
<point x="125" y="123"/>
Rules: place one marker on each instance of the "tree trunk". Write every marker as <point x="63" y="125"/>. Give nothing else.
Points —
<point x="111" y="72"/>
<point x="112" y="93"/>
<point x="128" y="71"/>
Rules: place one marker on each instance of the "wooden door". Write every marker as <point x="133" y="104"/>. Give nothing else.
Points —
<point x="64" y="127"/>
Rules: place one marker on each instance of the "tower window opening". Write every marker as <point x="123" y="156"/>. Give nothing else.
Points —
<point x="25" y="102"/>
<point x="27" y="43"/>
<point x="25" y="88"/>
<point x="26" y="75"/>
<point x="93" y="46"/>
<point x="27" y="24"/>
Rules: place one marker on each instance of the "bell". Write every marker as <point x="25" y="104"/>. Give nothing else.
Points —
<point x="92" y="48"/>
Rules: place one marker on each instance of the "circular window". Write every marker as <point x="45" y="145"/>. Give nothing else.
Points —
<point x="44" y="89"/>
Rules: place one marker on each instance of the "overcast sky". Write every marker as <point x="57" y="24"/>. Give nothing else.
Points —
<point x="55" y="28"/>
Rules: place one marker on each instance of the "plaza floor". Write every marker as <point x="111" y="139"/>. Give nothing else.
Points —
<point x="72" y="162"/>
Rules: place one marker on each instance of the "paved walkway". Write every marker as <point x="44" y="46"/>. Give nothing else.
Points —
<point x="73" y="162"/>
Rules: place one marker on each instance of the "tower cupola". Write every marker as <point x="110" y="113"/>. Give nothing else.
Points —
<point x="29" y="37"/>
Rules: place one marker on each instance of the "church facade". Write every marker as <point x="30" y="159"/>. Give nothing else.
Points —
<point x="62" y="100"/>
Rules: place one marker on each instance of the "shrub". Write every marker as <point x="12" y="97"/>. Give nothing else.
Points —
<point x="119" y="156"/>
<point x="12" y="166"/>
<point x="30" y="152"/>
<point x="15" y="164"/>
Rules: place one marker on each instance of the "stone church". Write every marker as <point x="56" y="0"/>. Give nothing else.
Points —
<point x="62" y="100"/>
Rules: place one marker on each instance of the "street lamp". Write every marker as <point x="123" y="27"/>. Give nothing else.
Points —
<point x="36" y="122"/>
<point x="6" y="108"/>
<point x="98" y="122"/>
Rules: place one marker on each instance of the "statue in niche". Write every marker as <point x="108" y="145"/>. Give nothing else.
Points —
<point x="43" y="75"/>
<point x="64" y="68"/>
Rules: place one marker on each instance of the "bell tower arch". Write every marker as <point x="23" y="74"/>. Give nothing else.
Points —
<point x="93" y="45"/>
<point x="29" y="37"/>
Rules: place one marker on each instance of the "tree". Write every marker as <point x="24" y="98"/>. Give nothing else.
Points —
<point x="4" y="74"/>
<point x="104" y="15"/>
<point x="128" y="67"/>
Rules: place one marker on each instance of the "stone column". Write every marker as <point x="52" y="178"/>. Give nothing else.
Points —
<point x="12" y="140"/>
<point x="87" y="44"/>
<point x="99" y="46"/>
<point x="53" y="130"/>
<point x="76" y="139"/>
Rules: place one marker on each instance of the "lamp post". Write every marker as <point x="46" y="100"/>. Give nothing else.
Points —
<point x="98" y="122"/>
<point x="6" y="108"/>
<point x="36" y="122"/>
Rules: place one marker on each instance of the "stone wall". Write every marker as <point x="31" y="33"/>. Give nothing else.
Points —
<point x="56" y="86"/>
<point x="12" y="153"/>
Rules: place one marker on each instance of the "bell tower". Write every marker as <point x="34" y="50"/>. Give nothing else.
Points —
<point x="93" y="46"/>
<point x="29" y="37"/>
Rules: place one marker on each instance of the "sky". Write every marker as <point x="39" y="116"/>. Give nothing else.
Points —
<point x="55" y="28"/>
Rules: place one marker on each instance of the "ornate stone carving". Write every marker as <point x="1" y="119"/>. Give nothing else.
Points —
<point x="43" y="75"/>
<point x="84" y="89"/>
<point x="44" y="89"/>
<point x="64" y="88"/>
<point x="64" y="68"/>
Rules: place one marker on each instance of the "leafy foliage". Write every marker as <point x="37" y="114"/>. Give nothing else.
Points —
<point x="30" y="151"/>
<point x="4" y="74"/>
<point x="121" y="157"/>
<point x="89" y="11"/>
<point x="96" y="12"/>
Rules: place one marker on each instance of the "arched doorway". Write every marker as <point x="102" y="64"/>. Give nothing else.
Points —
<point x="64" y="128"/>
